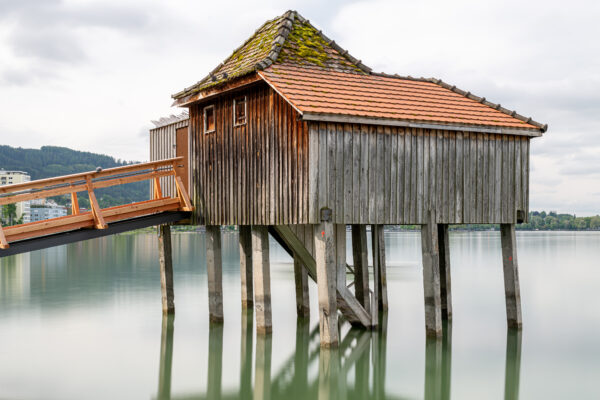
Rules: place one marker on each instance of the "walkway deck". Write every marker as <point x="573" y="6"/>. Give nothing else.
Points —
<point x="83" y="225"/>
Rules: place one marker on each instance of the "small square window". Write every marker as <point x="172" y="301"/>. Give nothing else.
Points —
<point x="209" y="119"/>
<point x="239" y="111"/>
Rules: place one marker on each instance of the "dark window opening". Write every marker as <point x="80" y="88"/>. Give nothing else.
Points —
<point x="239" y="110"/>
<point x="209" y="119"/>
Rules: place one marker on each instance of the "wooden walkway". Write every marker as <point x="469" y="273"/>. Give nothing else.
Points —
<point x="83" y="225"/>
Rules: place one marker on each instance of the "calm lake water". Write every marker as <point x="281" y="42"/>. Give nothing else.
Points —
<point x="84" y="321"/>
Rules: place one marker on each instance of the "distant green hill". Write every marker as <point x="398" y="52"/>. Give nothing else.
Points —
<point x="50" y="161"/>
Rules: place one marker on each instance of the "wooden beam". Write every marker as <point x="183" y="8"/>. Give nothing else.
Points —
<point x="246" y="266"/>
<point x="96" y="212"/>
<point x="431" y="276"/>
<point x="445" y="285"/>
<point x="214" y="271"/>
<point x="379" y="252"/>
<point x="262" y="279"/>
<point x="157" y="188"/>
<point x="511" y="276"/>
<point x="361" y="264"/>
<point x="302" y="296"/>
<point x="81" y="177"/>
<point x="326" y="280"/>
<point x="186" y="204"/>
<point x="3" y="241"/>
<point x="165" y="257"/>
<point x="74" y="204"/>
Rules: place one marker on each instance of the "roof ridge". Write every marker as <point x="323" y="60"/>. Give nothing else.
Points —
<point x="344" y="53"/>
<point x="211" y="74"/>
<point x="496" y="106"/>
<point x="469" y="95"/>
<point x="282" y="35"/>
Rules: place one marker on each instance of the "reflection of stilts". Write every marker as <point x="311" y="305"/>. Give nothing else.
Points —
<point x="262" y="374"/>
<point x="166" y="357"/>
<point x="513" y="364"/>
<point x="438" y="364"/>
<point x="246" y="354"/>
<point x="215" y="360"/>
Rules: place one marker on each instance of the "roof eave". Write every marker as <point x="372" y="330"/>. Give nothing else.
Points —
<point x="228" y="86"/>
<point x="320" y="117"/>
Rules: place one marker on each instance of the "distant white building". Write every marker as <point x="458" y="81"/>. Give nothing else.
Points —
<point x="11" y="178"/>
<point x="47" y="211"/>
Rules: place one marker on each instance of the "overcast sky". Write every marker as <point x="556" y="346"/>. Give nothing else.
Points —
<point x="91" y="75"/>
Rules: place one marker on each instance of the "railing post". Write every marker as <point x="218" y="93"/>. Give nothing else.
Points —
<point x="98" y="218"/>
<point x="3" y="242"/>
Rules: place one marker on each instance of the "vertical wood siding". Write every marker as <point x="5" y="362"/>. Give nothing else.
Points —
<point x="393" y="175"/>
<point x="253" y="174"/>
<point x="162" y="146"/>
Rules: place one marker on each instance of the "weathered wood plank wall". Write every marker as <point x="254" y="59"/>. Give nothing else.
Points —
<point x="253" y="174"/>
<point x="393" y="175"/>
<point x="162" y="146"/>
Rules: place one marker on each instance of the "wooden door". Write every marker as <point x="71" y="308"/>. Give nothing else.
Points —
<point x="181" y="150"/>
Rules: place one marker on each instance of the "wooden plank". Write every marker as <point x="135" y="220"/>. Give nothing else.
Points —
<point x="420" y="175"/>
<point x="401" y="188"/>
<point x="349" y="163"/>
<point x="449" y="166"/>
<point x="414" y="177"/>
<point x="356" y="167"/>
<point x="364" y="174"/>
<point x="393" y="166"/>
<point x="459" y="178"/>
<point x="3" y="242"/>
<point x="511" y="179"/>
<point x="439" y="174"/>
<point x="479" y="201"/>
<point x="186" y="204"/>
<point x="407" y="174"/>
<point x="74" y="204"/>
<point x="373" y="178"/>
<point x="385" y="162"/>
<point x="444" y="265"/>
<point x="313" y="172"/>
<point x="505" y="180"/>
<point x="339" y="211"/>
<point x="323" y="167"/>
<point x="426" y="169"/>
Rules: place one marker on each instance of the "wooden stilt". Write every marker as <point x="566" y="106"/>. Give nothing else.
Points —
<point x="262" y="279"/>
<point x="246" y="266"/>
<point x="445" y="287"/>
<point x="326" y="280"/>
<point x="214" y="271"/>
<point x="166" y="357"/>
<point x="431" y="276"/>
<point x="511" y="275"/>
<point x="165" y="257"/>
<point x="361" y="264"/>
<point x="376" y="275"/>
<point x="302" y="298"/>
<point x="340" y="254"/>
<point x="215" y="361"/>
<point x="379" y="252"/>
<point x="246" y="353"/>
<point x="262" y="372"/>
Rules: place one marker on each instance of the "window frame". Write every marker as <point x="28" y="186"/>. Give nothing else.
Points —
<point x="205" y="125"/>
<point x="235" y="123"/>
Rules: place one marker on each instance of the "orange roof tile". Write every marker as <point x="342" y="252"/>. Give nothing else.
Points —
<point x="323" y="91"/>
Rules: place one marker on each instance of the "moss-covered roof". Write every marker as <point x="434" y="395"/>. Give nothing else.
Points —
<point x="288" y="39"/>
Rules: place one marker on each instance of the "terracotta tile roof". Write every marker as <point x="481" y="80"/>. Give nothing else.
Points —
<point x="318" y="77"/>
<point x="321" y="91"/>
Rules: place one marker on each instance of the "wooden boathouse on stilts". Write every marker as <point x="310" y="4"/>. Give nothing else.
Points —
<point x="293" y="137"/>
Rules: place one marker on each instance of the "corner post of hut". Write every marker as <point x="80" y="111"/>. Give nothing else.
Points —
<point x="511" y="276"/>
<point x="325" y="257"/>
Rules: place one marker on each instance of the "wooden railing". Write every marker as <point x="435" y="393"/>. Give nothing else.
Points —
<point x="97" y="217"/>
